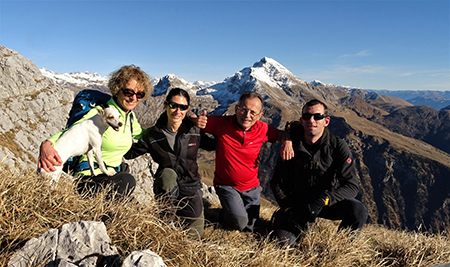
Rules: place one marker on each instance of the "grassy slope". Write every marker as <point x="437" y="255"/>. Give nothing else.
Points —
<point x="28" y="208"/>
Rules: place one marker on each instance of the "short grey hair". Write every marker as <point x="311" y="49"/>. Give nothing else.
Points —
<point x="251" y="95"/>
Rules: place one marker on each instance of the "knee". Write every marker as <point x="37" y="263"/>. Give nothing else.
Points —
<point x="126" y="183"/>
<point x="167" y="174"/>
<point x="129" y="181"/>
<point x="236" y="222"/>
<point x="361" y="213"/>
<point x="165" y="181"/>
<point x="289" y="220"/>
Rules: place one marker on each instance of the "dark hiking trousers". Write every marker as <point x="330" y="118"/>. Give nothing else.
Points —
<point x="119" y="185"/>
<point x="188" y="207"/>
<point x="290" y="223"/>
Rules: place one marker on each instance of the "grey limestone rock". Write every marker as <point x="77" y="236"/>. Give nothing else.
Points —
<point x="20" y="76"/>
<point x="84" y="243"/>
<point x="36" y="250"/>
<point x="209" y="193"/>
<point x="145" y="258"/>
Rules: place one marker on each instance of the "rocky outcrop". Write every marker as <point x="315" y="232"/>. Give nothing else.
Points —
<point x="30" y="114"/>
<point x="84" y="243"/>
<point x="20" y="76"/>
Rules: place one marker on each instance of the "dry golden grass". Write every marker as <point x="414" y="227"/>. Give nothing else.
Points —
<point x="28" y="208"/>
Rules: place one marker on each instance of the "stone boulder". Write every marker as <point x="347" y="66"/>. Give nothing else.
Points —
<point x="84" y="243"/>
<point x="209" y="194"/>
<point x="143" y="258"/>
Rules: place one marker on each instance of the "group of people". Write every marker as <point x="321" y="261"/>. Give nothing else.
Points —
<point x="315" y="174"/>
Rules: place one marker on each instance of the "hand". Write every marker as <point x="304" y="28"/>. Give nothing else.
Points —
<point x="287" y="151"/>
<point x="301" y="216"/>
<point x="48" y="157"/>
<point x="316" y="206"/>
<point x="201" y="121"/>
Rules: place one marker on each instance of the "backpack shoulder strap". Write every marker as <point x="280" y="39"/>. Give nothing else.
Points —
<point x="131" y="123"/>
<point x="295" y="129"/>
<point x="84" y="101"/>
<point x="333" y="141"/>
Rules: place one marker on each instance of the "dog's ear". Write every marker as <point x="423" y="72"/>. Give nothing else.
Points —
<point x="101" y="111"/>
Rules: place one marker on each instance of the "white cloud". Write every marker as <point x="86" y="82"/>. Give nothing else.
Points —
<point x="363" y="53"/>
<point x="371" y="69"/>
<point x="434" y="73"/>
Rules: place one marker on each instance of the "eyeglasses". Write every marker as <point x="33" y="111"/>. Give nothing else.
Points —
<point x="317" y="116"/>
<point x="174" y="105"/>
<point x="244" y="110"/>
<point x="130" y="93"/>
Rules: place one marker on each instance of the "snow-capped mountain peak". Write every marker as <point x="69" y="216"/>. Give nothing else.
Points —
<point x="78" y="79"/>
<point x="267" y="77"/>
<point x="272" y="73"/>
<point x="317" y="83"/>
<point x="171" y="80"/>
<point x="272" y="67"/>
<point x="204" y="84"/>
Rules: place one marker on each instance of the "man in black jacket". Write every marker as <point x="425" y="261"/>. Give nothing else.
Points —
<point x="320" y="181"/>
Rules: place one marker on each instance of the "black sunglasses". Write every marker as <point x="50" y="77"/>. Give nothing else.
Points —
<point x="130" y="93"/>
<point x="174" y="105"/>
<point x="317" y="116"/>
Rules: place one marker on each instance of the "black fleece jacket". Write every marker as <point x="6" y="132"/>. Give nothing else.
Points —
<point x="329" y="171"/>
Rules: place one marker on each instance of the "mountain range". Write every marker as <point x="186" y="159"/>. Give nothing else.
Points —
<point x="400" y="149"/>
<point x="434" y="99"/>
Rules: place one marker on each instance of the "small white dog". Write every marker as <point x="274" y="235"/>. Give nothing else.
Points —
<point x="86" y="138"/>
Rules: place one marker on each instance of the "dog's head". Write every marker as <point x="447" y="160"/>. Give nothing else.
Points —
<point x="112" y="117"/>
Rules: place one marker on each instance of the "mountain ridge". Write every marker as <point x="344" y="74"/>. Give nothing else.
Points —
<point x="433" y="99"/>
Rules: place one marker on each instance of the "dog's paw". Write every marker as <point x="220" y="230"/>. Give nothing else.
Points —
<point x="110" y="173"/>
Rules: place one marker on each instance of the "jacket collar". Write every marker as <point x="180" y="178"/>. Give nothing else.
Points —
<point x="321" y="142"/>
<point x="238" y="126"/>
<point x="113" y="103"/>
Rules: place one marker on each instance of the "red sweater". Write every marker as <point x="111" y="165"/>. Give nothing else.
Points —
<point x="237" y="153"/>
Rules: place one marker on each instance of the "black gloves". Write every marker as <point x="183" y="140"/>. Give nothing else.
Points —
<point x="316" y="205"/>
<point x="302" y="213"/>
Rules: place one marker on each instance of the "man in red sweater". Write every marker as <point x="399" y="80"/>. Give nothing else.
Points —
<point x="239" y="139"/>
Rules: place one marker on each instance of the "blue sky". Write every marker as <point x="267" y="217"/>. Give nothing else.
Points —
<point x="396" y="45"/>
